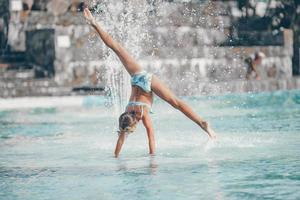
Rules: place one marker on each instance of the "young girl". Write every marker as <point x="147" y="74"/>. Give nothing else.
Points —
<point x="143" y="85"/>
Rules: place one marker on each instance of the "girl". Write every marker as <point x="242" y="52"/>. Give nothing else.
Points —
<point x="143" y="85"/>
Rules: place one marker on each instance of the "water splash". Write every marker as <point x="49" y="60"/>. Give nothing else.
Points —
<point x="125" y="21"/>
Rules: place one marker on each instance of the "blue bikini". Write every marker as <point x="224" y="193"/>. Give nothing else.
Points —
<point x="142" y="80"/>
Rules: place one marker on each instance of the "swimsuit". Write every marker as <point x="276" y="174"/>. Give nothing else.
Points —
<point x="141" y="104"/>
<point x="138" y="103"/>
<point x="142" y="79"/>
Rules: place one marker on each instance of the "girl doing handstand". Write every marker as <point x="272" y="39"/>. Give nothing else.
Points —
<point x="143" y="85"/>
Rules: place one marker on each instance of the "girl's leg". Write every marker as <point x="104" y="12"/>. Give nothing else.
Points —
<point x="161" y="90"/>
<point x="130" y="64"/>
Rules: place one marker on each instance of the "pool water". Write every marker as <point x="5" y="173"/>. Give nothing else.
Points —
<point x="66" y="151"/>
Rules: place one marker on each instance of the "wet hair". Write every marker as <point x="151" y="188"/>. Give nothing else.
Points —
<point x="127" y="122"/>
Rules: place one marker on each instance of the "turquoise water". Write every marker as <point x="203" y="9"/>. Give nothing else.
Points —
<point x="67" y="153"/>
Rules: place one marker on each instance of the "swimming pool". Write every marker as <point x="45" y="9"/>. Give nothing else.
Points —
<point x="65" y="151"/>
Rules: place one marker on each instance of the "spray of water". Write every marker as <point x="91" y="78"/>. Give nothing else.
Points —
<point x="125" y="21"/>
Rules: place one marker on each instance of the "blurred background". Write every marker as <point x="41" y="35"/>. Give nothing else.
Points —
<point x="197" y="47"/>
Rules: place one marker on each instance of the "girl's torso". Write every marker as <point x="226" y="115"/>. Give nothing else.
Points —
<point x="138" y="95"/>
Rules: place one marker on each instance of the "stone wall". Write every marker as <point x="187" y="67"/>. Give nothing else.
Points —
<point x="186" y="43"/>
<point x="40" y="50"/>
<point x="177" y="41"/>
<point x="4" y="16"/>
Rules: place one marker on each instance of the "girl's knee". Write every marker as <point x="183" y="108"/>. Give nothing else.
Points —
<point x="175" y="102"/>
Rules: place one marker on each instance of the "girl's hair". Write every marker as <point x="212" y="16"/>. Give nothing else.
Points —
<point x="127" y="122"/>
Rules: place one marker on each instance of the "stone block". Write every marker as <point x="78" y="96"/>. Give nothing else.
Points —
<point x="58" y="7"/>
<point x="186" y="37"/>
<point x="4" y="7"/>
<point x="68" y="19"/>
<point x="255" y="38"/>
<point x="17" y="74"/>
<point x="16" y="5"/>
<point x="164" y="37"/>
<point x="218" y="36"/>
<point x="39" y="18"/>
<point x="178" y="53"/>
<point x="16" y="36"/>
<point x="40" y="5"/>
<point x="14" y="17"/>
<point x="203" y="38"/>
<point x="40" y="51"/>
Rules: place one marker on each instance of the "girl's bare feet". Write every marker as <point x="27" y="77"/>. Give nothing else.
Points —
<point x="210" y="132"/>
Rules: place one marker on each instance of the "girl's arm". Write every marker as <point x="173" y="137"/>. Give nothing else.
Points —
<point x="150" y="132"/>
<point x="129" y="62"/>
<point x="119" y="144"/>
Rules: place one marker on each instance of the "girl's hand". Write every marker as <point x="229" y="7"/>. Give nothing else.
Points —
<point x="89" y="17"/>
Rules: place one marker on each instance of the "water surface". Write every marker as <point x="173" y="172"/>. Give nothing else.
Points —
<point x="66" y="152"/>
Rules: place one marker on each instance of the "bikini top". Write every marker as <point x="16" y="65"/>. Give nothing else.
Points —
<point x="139" y="103"/>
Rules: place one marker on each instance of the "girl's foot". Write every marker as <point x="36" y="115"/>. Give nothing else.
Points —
<point x="210" y="132"/>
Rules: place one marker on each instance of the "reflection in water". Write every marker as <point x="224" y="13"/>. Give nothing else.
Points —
<point x="153" y="166"/>
<point x="213" y="168"/>
<point x="128" y="166"/>
<point x="121" y="165"/>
